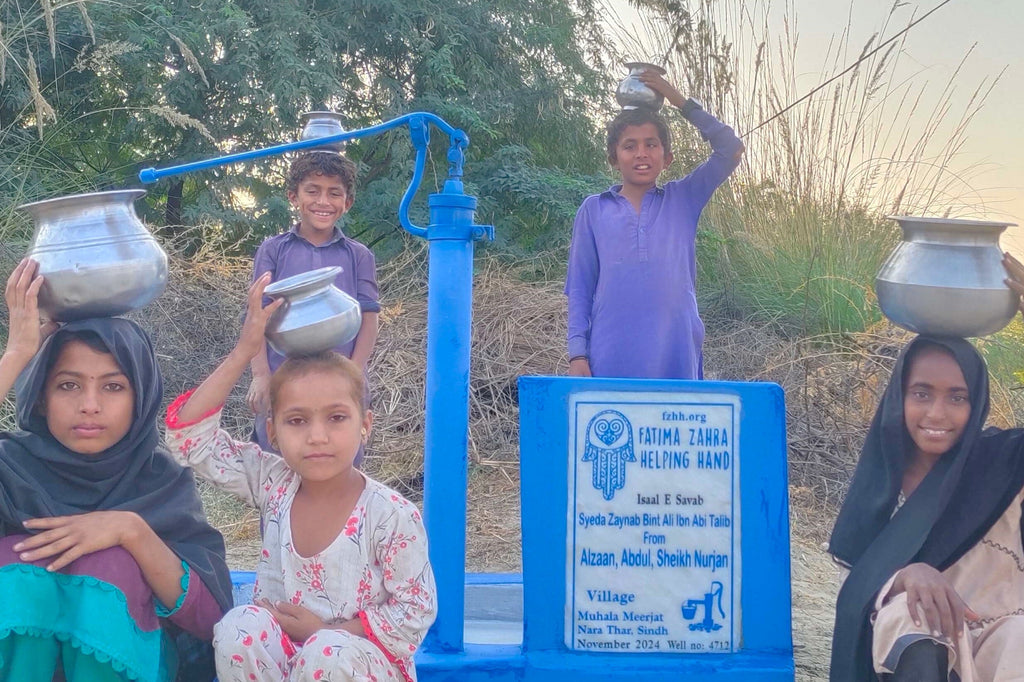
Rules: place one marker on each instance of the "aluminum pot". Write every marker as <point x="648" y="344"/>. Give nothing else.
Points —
<point x="321" y="124"/>
<point x="97" y="256"/>
<point x="633" y="94"/>
<point x="316" y="315"/>
<point x="946" y="278"/>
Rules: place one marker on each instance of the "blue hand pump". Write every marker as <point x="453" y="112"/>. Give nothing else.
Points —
<point x="450" y="234"/>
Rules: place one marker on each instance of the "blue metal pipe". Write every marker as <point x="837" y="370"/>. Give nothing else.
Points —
<point x="419" y="133"/>
<point x="410" y="193"/>
<point x="445" y="459"/>
<point x="449" y="316"/>
<point x="150" y="175"/>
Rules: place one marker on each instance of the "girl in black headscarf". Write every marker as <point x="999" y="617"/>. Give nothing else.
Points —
<point x="931" y="529"/>
<point x="106" y="559"/>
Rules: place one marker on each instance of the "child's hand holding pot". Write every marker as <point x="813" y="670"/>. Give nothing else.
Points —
<point x="250" y="340"/>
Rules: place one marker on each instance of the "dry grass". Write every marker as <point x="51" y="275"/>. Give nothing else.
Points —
<point x="832" y="382"/>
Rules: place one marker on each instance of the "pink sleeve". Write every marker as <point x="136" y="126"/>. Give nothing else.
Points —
<point x="199" y="612"/>
<point x="237" y="467"/>
<point x="399" y="624"/>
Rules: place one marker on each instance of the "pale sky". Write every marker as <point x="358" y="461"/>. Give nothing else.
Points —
<point x="992" y="157"/>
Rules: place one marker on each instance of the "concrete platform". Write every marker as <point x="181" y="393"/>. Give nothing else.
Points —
<point x="494" y="606"/>
<point x="493" y="648"/>
<point x="494" y="609"/>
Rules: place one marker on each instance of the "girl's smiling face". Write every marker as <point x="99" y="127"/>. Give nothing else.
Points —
<point x="88" y="401"/>
<point x="936" y="402"/>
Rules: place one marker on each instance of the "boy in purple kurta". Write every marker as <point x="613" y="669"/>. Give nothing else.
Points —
<point x="321" y="187"/>
<point x="632" y="265"/>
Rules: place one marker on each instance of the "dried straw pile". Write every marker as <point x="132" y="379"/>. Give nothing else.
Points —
<point x="832" y="383"/>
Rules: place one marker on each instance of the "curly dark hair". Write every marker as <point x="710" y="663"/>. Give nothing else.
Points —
<point x="636" y="117"/>
<point x="326" y="163"/>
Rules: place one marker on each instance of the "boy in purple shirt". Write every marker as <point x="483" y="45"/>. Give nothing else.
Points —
<point x="632" y="267"/>
<point x="321" y="187"/>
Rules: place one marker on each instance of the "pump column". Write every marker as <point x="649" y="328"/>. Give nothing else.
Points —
<point x="449" y="317"/>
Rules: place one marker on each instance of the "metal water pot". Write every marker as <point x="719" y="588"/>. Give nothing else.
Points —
<point x="97" y="256"/>
<point x="946" y="278"/>
<point x="321" y="124"/>
<point x="633" y="94"/>
<point x="316" y="315"/>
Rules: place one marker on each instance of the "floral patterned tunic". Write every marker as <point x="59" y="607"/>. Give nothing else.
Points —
<point x="376" y="570"/>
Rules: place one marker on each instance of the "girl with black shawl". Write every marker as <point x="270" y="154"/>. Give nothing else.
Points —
<point x="931" y="529"/>
<point x="107" y="564"/>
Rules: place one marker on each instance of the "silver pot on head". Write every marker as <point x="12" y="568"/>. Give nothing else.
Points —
<point x="96" y="255"/>
<point x="316" y="315"/>
<point x="322" y="124"/>
<point x="946" y="278"/>
<point x="633" y="94"/>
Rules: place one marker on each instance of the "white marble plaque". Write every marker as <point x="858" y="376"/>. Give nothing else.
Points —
<point x="654" y="523"/>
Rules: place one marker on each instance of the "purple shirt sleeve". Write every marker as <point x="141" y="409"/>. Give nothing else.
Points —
<point x="366" y="281"/>
<point x="199" y="612"/>
<point x="265" y="260"/>
<point x="726" y="151"/>
<point x="581" y="281"/>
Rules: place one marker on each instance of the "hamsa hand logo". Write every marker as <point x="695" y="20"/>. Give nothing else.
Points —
<point x="609" y="446"/>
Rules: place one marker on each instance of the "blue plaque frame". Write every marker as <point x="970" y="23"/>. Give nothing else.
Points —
<point x="766" y="649"/>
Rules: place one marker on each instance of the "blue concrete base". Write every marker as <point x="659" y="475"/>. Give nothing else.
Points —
<point x="700" y="668"/>
<point x="477" y="662"/>
<point x="498" y="664"/>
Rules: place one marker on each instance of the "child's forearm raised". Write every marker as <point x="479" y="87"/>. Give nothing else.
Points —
<point x="11" y="366"/>
<point x="260" y="367"/>
<point x="212" y="393"/>
<point x="260" y="364"/>
<point x="365" y="340"/>
<point x="25" y="333"/>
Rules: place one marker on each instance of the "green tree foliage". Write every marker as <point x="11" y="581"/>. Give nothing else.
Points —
<point x="94" y="90"/>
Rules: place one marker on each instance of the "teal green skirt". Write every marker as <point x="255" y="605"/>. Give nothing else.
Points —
<point x="79" y="623"/>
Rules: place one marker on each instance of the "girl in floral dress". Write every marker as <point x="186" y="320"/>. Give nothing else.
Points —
<point x="344" y="588"/>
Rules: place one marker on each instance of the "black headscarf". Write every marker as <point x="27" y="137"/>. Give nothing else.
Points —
<point x="39" y="477"/>
<point x="959" y="500"/>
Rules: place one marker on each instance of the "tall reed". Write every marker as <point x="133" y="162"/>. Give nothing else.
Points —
<point x="800" y="233"/>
